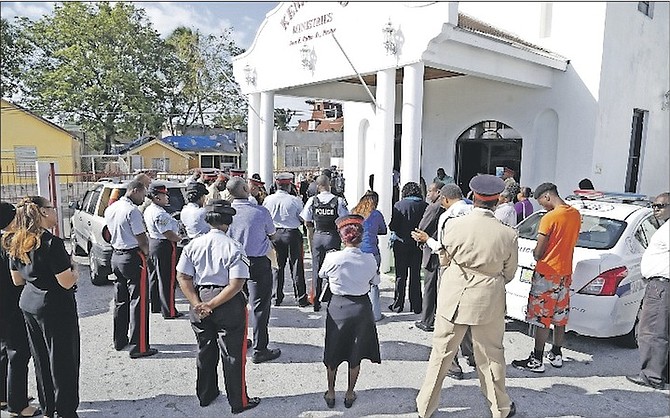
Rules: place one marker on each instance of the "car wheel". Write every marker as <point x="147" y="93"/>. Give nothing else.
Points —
<point x="98" y="273"/>
<point x="630" y="340"/>
<point x="76" y="248"/>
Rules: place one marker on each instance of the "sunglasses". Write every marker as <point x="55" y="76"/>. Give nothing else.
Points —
<point x="660" y="205"/>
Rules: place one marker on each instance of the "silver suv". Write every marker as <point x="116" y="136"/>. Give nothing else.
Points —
<point x="88" y="220"/>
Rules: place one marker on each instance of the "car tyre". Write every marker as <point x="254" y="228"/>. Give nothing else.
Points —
<point x="630" y="340"/>
<point x="99" y="274"/>
<point x="76" y="248"/>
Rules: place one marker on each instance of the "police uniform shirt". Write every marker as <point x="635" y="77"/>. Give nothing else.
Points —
<point x="284" y="209"/>
<point x="124" y="221"/>
<point x="193" y="218"/>
<point x="213" y="259"/>
<point x="158" y="222"/>
<point x="324" y="197"/>
<point x="350" y="271"/>
<point x="655" y="258"/>
<point x="251" y="226"/>
<point x="459" y="208"/>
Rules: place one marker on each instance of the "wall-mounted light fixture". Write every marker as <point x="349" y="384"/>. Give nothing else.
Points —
<point x="307" y="57"/>
<point x="666" y="101"/>
<point x="249" y="75"/>
<point x="389" y="38"/>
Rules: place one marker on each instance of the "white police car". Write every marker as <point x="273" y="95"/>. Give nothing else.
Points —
<point x="607" y="286"/>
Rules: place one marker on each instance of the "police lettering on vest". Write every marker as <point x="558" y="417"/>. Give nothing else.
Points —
<point x="324" y="214"/>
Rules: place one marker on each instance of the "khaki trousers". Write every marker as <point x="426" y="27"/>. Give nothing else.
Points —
<point x="487" y="342"/>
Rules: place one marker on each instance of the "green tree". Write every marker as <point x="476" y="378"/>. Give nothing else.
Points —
<point x="283" y="118"/>
<point x="202" y="89"/>
<point x="100" y="66"/>
<point x="14" y="52"/>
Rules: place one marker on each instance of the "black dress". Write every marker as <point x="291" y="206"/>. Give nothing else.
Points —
<point x="50" y="312"/>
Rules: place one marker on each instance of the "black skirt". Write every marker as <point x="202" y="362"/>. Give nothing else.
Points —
<point x="351" y="333"/>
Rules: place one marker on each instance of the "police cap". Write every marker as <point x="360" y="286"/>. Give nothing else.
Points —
<point x="237" y="172"/>
<point x="7" y="213"/>
<point x="256" y="180"/>
<point x="486" y="186"/>
<point x="284" y="178"/>
<point x="220" y="206"/>
<point x="196" y="188"/>
<point x="156" y="188"/>
<point x="352" y="219"/>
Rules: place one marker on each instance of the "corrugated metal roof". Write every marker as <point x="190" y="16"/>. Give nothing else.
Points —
<point x="470" y="23"/>
<point x="219" y="143"/>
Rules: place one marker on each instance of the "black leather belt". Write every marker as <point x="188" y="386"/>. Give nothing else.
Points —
<point x="660" y="278"/>
<point x="286" y="229"/>
<point x="125" y="251"/>
<point x="209" y="286"/>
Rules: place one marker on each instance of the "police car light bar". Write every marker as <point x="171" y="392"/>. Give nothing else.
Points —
<point x="608" y="196"/>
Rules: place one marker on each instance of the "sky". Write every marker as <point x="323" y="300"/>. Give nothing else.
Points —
<point x="244" y="17"/>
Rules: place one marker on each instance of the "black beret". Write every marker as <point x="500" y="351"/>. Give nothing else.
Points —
<point x="487" y="185"/>
<point x="220" y="206"/>
<point x="7" y="213"/>
<point x="196" y="188"/>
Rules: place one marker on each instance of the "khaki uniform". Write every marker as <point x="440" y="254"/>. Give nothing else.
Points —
<point x="472" y="294"/>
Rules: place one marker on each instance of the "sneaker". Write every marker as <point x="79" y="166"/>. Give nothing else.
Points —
<point x="556" y="360"/>
<point x="267" y="355"/>
<point x="530" y="364"/>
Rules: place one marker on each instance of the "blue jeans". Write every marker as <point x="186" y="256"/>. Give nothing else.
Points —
<point x="374" y="294"/>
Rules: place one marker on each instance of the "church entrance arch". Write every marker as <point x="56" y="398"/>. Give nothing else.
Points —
<point x="486" y="148"/>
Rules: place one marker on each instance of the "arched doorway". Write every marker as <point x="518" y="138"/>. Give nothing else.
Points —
<point x="484" y="148"/>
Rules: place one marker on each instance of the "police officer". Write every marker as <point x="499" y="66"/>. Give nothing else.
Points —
<point x="212" y="271"/>
<point x="285" y="211"/>
<point x="320" y="211"/>
<point x="193" y="213"/>
<point x="163" y="231"/>
<point x="129" y="264"/>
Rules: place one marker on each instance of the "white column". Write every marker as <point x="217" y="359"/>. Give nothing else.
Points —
<point x="384" y="130"/>
<point x="267" y="126"/>
<point x="254" y="133"/>
<point x="412" y="116"/>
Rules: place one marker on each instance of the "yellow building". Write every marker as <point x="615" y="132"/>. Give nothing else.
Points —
<point x="26" y="138"/>
<point x="160" y="156"/>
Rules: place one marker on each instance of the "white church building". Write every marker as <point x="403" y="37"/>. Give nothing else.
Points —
<point x="556" y="91"/>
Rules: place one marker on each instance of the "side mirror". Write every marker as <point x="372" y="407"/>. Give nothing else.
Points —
<point x="74" y="205"/>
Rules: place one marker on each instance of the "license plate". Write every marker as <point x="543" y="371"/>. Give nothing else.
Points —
<point x="526" y="275"/>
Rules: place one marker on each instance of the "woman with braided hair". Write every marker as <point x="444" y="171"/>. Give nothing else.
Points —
<point x="39" y="260"/>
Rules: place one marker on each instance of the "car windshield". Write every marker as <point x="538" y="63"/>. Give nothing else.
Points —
<point x="596" y="233"/>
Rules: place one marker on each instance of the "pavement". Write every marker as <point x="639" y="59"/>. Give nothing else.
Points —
<point x="591" y="383"/>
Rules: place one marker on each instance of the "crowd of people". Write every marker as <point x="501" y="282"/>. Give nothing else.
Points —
<point x="229" y="250"/>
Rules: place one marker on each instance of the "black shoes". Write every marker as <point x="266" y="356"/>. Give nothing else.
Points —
<point x="455" y="374"/>
<point x="349" y="402"/>
<point x="330" y="402"/>
<point x="251" y="403"/>
<point x="394" y="308"/>
<point x="178" y="315"/>
<point x="148" y="353"/>
<point x="267" y="355"/>
<point x="303" y="303"/>
<point x="317" y="306"/>
<point x="205" y="403"/>
<point x="639" y="380"/>
<point x="512" y="410"/>
<point x="424" y="327"/>
<point x="278" y="301"/>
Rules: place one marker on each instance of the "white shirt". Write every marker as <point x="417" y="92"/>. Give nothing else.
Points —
<point x="506" y="214"/>
<point x="284" y="209"/>
<point x="655" y="260"/>
<point x="349" y="271"/>
<point x="124" y="222"/>
<point x="213" y="259"/>
<point x="459" y="208"/>
<point x="158" y="222"/>
<point x="193" y="218"/>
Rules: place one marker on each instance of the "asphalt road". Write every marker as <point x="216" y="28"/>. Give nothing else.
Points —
<point x="590" y="384"/>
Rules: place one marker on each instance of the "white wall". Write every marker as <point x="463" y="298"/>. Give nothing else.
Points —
<point x="635" y="75"/>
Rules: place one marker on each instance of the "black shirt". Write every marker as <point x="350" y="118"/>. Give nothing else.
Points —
<point x="42" y="288"/>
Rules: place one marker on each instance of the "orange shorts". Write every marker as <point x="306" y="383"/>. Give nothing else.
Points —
<point x="549" y="300"/>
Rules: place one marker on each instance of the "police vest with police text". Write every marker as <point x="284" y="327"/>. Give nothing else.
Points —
<point x="324" y="214"/>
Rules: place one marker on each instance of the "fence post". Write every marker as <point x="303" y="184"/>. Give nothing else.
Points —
<point x="47" y="187"/>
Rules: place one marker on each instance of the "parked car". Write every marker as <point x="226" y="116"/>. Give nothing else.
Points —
<point x="88" y="221"/>
<point x="607" y="286"/>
